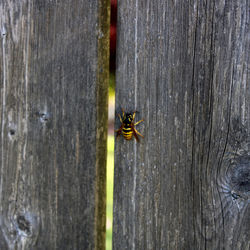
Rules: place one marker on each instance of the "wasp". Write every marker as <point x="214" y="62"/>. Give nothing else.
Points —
<point x="128" y="126"/>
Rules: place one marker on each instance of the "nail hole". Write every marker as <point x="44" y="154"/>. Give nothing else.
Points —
<point x="44" y="117"/>
<point x="235" y="196"/>
<point x="3" y="31"/>
<point x="12" y="132"/>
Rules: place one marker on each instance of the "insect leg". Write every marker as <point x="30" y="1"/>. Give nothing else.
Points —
<point x="134" y="114"/>
<point x="120" y="118"/>
<point x="138" y="122"/>
<point x="135" y="134"/>
<point x="119" y="131"/>
<point x="138" y="133"/>
<point x="123" y="113"/>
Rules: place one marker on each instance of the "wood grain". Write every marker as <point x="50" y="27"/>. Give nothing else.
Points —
<point x="53" y="106"/>
<point x="184" y="66"/>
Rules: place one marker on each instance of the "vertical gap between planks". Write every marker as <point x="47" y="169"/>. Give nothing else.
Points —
<point x="3" y="34"/>
<point x="26" y="80"/>
<point x="135" y="149"/>
<point x="111" y="117"/>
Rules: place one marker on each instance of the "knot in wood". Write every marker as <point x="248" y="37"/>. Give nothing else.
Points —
<point x="23" y="224"/>
<point x="26" y="225"/>
<point x="239" y="177"/>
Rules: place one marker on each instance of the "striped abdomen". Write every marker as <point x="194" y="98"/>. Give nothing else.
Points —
<point x="127" y="132"/>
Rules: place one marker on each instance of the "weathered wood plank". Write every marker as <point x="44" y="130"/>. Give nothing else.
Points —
<point x="53" y="106"/>
<point x="184" y="65"/>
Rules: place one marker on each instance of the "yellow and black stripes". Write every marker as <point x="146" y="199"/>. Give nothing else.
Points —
<point x="127" y="132"/>
<point x="128" y="126"/>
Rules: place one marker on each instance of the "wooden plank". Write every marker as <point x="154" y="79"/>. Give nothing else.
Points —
<point x="53" y="106"/>
<point x="184" y="66"/>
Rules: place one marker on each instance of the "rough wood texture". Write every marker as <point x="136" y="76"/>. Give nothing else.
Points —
<point x="53" y="106"/>
<point x="184" y="65"/>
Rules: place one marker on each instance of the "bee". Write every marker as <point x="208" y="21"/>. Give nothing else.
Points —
<point x="128" y="126"/>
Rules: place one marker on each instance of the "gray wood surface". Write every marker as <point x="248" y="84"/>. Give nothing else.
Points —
<point x="184" y="66"/>
<point x="53" y="107"/>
